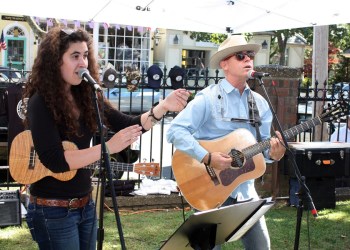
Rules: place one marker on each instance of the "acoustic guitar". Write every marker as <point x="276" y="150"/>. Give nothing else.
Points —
<point x="26" y="168"/>
<point x="206" y="188"/>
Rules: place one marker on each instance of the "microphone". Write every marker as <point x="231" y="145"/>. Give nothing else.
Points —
<point x="85" y="75"/>
<point x="253" y="74"/>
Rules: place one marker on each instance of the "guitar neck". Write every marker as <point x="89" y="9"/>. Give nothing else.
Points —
<point x="255" y="149"/>
<point x="117" y="166"/>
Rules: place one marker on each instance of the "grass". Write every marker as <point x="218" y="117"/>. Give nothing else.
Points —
<point x="149" y="229"/>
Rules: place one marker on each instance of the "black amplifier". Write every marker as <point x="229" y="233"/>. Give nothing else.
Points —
<point x="10" y="208"/>
<point x="321" y="159"/>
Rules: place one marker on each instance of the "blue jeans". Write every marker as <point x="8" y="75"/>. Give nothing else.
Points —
<point x="257" y="237"/>
<point x="60" y="228"/>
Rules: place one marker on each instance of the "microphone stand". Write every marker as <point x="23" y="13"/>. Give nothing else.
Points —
<point x="105" y="167"/>
<point x="304" y="193"/>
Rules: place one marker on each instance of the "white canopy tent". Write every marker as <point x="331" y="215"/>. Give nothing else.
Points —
<point x="213" y="16"/>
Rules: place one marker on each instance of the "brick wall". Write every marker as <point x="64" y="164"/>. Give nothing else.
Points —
<point x="282" y="90"/>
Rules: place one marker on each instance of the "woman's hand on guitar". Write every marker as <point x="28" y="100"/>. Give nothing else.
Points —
<point x="277" y="148"/>
<point x="124" y="138"/>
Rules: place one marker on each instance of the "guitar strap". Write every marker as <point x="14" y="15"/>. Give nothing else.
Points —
<point x="254" y="115"/>
<point x="218" y="110"/>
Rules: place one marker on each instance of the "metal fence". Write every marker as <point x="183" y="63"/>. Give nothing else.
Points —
<point x="153" y="146"/>
<point x="313" y="100"/>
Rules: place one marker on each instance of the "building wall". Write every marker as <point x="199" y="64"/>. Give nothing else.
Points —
<point x="296" y="55"/>
<point x="158" y="51"/>
<point x="169" y="54"/>
<point x="262" y="57"/>
<point x="166" y="53"/>
<point x="30" y="42"/>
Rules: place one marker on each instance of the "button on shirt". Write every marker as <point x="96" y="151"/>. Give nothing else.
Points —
<point x="208" y="116"/>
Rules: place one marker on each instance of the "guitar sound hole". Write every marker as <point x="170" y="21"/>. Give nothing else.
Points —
<point x="237" y="159"/>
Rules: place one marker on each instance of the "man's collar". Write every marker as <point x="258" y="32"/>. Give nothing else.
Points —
<point x="229" y="88"/>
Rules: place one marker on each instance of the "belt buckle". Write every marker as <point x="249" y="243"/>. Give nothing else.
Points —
<point x="71" y="203"/>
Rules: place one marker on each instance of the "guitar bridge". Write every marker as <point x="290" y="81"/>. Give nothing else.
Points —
<point x="212" y="174"/>
<point x="31" y="163"/>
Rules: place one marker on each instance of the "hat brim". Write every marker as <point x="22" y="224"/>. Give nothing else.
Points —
<point x="154" y="83"/>
<point x="222" y="54"/>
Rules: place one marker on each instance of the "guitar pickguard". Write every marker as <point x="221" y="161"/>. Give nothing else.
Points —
<point x="229" y="175"/>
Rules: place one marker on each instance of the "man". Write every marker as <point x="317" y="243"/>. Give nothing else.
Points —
<point x="220" y="109"/>
<point x="343" y="134"/>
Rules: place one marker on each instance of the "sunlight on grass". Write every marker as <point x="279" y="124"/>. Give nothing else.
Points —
<point x="9" y="234"/>
<point x="13" y="232"/>
<point x="16" y="238"/>
<point x="336" y="216"/>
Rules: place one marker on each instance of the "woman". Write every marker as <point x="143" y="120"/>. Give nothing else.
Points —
<point x="60" y="108"/>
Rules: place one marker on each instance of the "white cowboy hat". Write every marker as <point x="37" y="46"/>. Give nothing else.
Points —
<point x="231" y="45"/>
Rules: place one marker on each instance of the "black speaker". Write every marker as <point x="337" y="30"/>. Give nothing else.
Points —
<point x="322" y="191"/>
<point x="10" y="208"/>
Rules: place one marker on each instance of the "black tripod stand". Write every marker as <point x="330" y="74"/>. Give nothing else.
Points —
<point x="304" y="198"/>
<point x="304" y="193"/>
<point x="105" y="169"/>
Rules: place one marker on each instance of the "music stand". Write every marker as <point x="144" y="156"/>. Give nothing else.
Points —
<point x="204" y="230"/>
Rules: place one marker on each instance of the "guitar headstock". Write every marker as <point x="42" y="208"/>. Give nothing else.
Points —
<point x="335" y="111"/>
<point x="147" y="168"/>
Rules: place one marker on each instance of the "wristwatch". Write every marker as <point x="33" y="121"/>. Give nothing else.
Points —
<point x="154" y="119"/>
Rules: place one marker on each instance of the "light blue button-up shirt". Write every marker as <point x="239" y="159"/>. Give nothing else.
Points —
<point x="208" y="116"/>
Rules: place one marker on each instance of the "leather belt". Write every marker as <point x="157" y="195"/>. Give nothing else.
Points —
<point x="69" y="203"/>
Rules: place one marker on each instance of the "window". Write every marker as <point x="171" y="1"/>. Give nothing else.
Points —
<point x="124" y="47"/>
<point x="120" y="46"/>
<point x="15" y="48"/>
<point x="193" y="59"/>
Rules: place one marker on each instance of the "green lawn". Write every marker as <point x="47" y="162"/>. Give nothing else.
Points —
<point x="149" y="229"/>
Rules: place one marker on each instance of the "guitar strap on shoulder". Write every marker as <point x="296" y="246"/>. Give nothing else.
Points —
<point x="218" y="110"/>
<point x="254" y="115"/>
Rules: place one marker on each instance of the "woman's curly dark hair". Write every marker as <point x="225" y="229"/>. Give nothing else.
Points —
<point x="46" y="79"/>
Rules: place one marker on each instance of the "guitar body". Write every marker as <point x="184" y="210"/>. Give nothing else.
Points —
<point x="197" y="186"/>
<point x="25" y="166"/>
<point x="207" y="188"/>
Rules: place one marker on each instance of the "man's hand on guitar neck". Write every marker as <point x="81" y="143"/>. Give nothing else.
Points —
<point x="277" y="148"/>
<point x="218" y="160"/>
